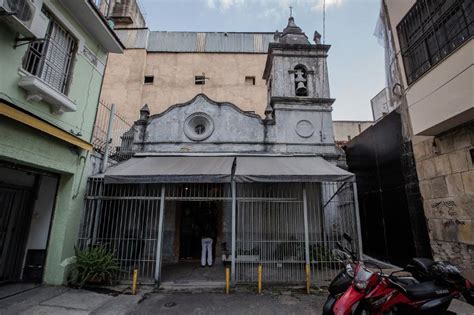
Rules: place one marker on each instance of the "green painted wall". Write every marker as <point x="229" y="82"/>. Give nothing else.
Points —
<point x="26" y="146"/>
<point x="85" y="83"/>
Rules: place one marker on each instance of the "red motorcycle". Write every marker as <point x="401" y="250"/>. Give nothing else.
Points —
<point x="358" y="289"/>
<point x="373" y="292"/>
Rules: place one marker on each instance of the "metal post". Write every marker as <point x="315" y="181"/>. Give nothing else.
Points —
<point x="108" y="139"/>
<point x="98" y="209"/>
<point x="259" y="285"/>
<point x="227" y="280"/>
<point x="234" y="215"/>
<point x="306" y="236"/>
<point x="357" y="218"/>
<point x="160" y="235"/>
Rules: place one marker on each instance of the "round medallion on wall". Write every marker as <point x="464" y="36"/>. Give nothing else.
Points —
<point x="304" y="128"/>
<point x="198" y="126"/>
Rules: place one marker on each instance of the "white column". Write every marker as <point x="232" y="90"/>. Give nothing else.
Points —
<point x="160" y="235"/>
<point x="306" y="227"/>
<point x="234" y="215"/>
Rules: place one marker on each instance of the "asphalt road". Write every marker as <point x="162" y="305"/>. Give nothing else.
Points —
<point x="236" y="303"/>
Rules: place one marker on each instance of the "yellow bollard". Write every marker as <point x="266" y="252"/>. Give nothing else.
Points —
<point x="134" y="283"/>
<point x="308" y="278"/>
<point x="259" y="279"/>
<point x="227" y="280"/>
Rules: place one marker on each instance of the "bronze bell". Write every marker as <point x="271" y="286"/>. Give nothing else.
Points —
<point x="301" y="89"/>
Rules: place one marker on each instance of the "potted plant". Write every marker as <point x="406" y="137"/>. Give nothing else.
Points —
<point x="93" y="265"/>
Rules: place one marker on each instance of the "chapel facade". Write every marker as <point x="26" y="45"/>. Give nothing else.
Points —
<point x="272" y="188"/>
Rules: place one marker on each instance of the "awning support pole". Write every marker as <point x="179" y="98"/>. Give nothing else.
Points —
<point x="160" y="235"/>
<point x="306" y="235"/>
<point x="234" y="215"/>
<point x="357" y="219"/>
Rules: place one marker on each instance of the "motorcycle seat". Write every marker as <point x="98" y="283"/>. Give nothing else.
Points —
<point x="405" y="281"/>
<point x="420" y="268"/>
<point x="425" y="290"/>
<point x="422" y="264"/>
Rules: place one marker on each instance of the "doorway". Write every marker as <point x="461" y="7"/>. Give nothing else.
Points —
<point x="198" y="220"/>
<point x="26" y="206"/>
<point x="188" y="221"/>
<point x="15" y="214"/>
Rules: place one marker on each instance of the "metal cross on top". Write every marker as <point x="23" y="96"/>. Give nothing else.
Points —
<point x="291" y="11"/>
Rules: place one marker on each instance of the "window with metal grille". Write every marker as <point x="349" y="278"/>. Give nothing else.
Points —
<point x="431" y="30"/>
<point x="50" y="60"/>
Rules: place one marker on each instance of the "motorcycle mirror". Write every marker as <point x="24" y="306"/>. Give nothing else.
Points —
<point x="347" y="237"/>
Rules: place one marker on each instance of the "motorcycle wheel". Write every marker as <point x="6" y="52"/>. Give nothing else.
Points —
<point x="327" y="308"/>
<point x="362" y="309"/>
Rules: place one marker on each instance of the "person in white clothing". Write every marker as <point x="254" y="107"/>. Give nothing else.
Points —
<point x="206" y="249"/>
<point x="207" y="237"/>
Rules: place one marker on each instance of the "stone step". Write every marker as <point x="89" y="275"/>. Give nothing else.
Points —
<point x="192" y="285"/>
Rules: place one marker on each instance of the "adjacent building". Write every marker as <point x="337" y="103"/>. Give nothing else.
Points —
<point x="429" y="64"/>
<point x="52" y="62"/>
<point x="381" y="104"/>
<point x="346" y="130"/>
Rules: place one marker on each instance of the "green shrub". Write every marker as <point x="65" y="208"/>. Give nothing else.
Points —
<point x="94" y="264"/>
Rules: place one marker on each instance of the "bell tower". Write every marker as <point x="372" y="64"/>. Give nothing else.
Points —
<point x="295" y="67"/>
<point x="298" y="88"/>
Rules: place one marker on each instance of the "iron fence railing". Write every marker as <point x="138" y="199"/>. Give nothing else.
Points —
<point x="285" y="228"/>
<point x="112" y="134"/>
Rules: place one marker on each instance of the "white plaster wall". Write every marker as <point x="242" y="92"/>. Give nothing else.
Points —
<point x="443" y="97"/>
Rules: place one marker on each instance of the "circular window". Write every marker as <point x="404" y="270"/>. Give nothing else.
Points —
<point x="200" y="129"/>
<point x="198" y="126"/>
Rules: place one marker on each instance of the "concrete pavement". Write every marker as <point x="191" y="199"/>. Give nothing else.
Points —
<point x="61" y="300"/>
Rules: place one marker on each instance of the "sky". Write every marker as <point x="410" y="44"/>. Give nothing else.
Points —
<point x="355" y="62"/>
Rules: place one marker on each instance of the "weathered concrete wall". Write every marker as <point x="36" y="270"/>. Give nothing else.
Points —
<point x="295" y="130"/>
<point x="446" y="173"/>
<point x="345" y="130"/>
<point x="174" y="80"/>
<point x="126" y="14"/>
<point x="123" y="82"/>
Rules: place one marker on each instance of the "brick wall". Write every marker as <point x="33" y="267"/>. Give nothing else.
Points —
<point x="446" y="175"/>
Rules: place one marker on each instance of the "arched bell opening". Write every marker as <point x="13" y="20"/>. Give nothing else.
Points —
<point x="301" y="81"/>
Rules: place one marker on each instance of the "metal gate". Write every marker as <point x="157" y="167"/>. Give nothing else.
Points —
<point x="124" y="219"/>
<point x="331" y="213"/>
<point x="270" y="232"/>
<point x="271" y="228"/>
<point x="283" y="226"/>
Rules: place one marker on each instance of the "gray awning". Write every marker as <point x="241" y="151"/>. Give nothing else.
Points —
<point x="288" y="169"/>
<point x="171" y="169"/>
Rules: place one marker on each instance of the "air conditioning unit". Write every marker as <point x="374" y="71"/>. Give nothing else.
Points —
<point x="25" y="17"/>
